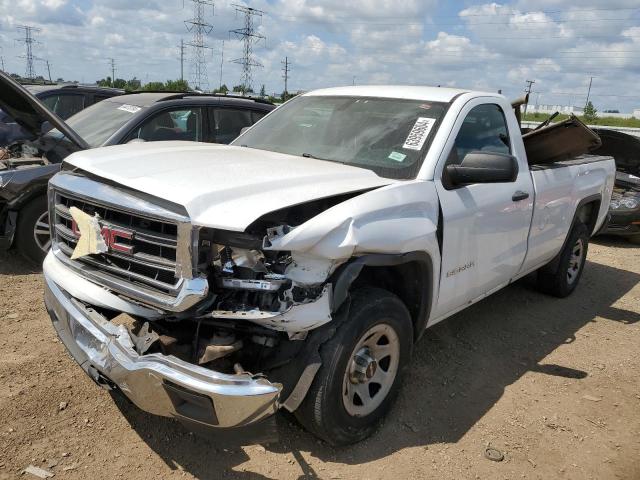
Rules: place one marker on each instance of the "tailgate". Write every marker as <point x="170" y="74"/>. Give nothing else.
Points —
<point x="559" y="141"/>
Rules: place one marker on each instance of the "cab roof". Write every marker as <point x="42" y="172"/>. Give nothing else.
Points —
<point x="408" y="92"/>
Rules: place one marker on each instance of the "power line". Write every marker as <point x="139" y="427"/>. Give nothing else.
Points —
<point x="497" y="14"/>
<point x="286" y="67"/>
<point x="200" y="29"/>
<point x="248" y="36"/>
<point x="29" y="41"/>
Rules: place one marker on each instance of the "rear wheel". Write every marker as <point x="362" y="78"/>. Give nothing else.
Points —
<point x="565" y="278"/>
<point x="33" y="237"/>
<point x="361" y="369"/>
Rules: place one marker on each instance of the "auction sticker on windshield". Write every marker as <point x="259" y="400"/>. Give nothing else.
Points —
<point x="419" y="133"/>
<point x="129" y="108"/>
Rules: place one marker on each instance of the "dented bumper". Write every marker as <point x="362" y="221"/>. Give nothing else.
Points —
<point x="159" y="384"/>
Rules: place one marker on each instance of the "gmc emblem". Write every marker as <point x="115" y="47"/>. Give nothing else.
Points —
<point x="111" y="237"/>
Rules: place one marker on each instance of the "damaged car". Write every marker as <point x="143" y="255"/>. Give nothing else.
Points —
<point x="625" y="202"/>
<point x="297" y="267"/>
<point x="27" y="164"/>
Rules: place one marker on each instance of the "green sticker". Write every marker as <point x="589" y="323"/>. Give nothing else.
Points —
<point x="397" y="156"/>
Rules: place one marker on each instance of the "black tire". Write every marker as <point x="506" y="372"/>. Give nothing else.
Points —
<point x="558" y="282"/>
<point x="635" y="239"/>
<point x="25" y="240"/>
<point x="323" y="411"/>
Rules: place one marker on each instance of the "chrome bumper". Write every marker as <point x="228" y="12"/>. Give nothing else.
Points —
<point x="159" y="384"/>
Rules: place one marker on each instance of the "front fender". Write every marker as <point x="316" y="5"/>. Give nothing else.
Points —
<point x="398" y="218"/>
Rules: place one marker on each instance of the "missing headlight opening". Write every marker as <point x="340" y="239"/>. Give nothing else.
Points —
<point x="261" y="306"/>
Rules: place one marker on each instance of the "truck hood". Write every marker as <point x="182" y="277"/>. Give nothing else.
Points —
<point x="30" y="113"/>
<point x="223" y="186"/>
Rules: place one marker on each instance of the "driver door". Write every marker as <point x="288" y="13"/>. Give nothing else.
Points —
<point x="485" y="226"/>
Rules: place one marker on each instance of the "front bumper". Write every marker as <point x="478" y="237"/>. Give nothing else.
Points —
<point x="626" y="223"/>
<point x="159" y="384"/>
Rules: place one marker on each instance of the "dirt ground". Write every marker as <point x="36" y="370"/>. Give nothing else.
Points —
<point x="552" y="384"/>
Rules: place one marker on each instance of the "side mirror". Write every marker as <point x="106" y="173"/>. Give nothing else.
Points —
<point x="483" y="167"/>
<point x="244" y="129"/>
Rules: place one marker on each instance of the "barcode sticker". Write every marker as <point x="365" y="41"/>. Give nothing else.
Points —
<point x="129" y="108"/>
<point x="419" y="133"/>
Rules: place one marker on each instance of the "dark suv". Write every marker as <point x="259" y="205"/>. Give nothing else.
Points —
<point x="25" y="167"/>
<point x="63" y="100"/>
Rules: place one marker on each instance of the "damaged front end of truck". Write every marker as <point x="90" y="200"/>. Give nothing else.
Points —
<point x="214" y="327"/>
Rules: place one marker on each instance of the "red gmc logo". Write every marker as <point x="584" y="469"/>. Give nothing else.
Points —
<point x="111" y="236"/>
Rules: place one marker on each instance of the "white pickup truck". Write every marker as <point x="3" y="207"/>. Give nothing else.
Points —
<point x="298" y="267"/>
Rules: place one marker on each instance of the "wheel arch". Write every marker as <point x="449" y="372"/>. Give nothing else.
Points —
<point x="586" y="212"/>
<point x="407" y="275"/>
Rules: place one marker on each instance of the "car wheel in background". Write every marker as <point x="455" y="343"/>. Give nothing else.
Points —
<point x="33" y="237"/>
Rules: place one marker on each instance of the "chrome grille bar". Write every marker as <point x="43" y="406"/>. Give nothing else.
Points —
<point x="158" y="271"/>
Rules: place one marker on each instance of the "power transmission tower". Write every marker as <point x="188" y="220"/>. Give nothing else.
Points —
<point x="248" y="36"/>
<point x="112" y="62"/>
<point x="285" y="74"/>
<point x="528" y="91"/>
<point x="29" y="41"/>
<point x="182" y="48"/>
<point x="200" y="29"/>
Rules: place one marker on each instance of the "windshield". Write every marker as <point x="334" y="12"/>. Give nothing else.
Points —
<point x="388" y="136"/>
<point x="101" y="120"/>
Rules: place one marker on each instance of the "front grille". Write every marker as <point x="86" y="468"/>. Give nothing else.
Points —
<point x="152" y="263"/>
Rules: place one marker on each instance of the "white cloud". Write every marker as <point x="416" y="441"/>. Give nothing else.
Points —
<point x="489" y="45"/>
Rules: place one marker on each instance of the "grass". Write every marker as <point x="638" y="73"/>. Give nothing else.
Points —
<point x="606" y="121"/>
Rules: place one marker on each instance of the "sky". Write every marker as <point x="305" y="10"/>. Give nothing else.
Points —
<point x="468" y="44"/>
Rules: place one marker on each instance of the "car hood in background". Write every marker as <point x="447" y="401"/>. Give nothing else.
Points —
<point x="223" y="186"/>
<point x="31" y="113"/>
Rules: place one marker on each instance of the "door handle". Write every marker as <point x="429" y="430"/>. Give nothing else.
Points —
<point x="520" y="195"/>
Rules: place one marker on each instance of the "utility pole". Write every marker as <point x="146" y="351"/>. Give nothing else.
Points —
<point x="588" y="92"/>
<point x="286" y="66"/>
<point x="353" y="80"/>
<point x="248" y="36"/>
<point x="181" y="47"/>
<point x="49" y="70"/>
<point x="528" y="91"/>
<point x="221" y="63"/>
<point x="112" y="62"/>
<point x="29" y="41"/>
<point x="200" y="29"/>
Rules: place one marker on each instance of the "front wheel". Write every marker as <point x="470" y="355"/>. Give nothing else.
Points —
<point x="565" y="278"/>
<point x="361" y="369"/>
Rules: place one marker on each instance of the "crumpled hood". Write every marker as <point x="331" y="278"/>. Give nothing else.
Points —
<point x="223" y="186"/>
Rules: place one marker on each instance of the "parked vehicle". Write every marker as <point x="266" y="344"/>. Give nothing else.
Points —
<point x="297" y="267"/>
<point x="27" y="166"/>
<point x="625" y="203"/>
<point x="63" y="100"/>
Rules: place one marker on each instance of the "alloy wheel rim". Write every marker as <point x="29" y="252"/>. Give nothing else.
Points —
<point x="42" y="233"/>
<point x="575" y="261"/>
<point x="371" y="370"/>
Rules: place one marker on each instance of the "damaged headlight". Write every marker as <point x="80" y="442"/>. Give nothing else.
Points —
<point x="625" y="203"/>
